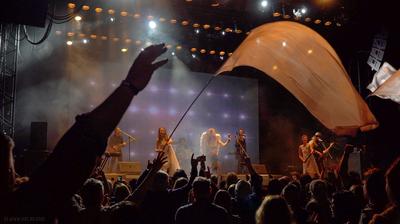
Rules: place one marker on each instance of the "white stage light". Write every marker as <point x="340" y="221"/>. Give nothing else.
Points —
<point x="152" y="24"/>
<point x="264" y="3"/>
<point x="85" y="41"/>
<point x="304" y="10"/>
<point x="173" y="53"/>
<point x="197" y="31"/>
<point x="69" y="43"/>
<point x="78" y="18"/>
<point x="284" y="44"/>
<point x="112" y="19"/>
<point x="193" y="56"/>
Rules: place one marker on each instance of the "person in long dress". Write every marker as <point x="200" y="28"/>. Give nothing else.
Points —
<point x="164" y="144"/>
<point x="210" y="144"/>
<point x="310" y="165"/>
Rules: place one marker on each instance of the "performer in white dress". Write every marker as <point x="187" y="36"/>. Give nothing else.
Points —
<point x="163" y="144"/>
<point x="210" y="143"/>
<point x="310" y="165"/>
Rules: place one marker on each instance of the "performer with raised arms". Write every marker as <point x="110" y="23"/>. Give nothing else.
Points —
<point x="210" y="144"/>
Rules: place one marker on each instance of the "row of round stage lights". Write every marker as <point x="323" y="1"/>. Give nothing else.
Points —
<point x="193" y="50"/>
<point x="297" y="15"/>
<point x="154" y="23"/>
<point x="195" y="25"/>
<point x="264" y="4"/>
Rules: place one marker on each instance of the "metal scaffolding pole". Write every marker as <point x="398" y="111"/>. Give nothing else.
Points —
<point x="9" y="43"/>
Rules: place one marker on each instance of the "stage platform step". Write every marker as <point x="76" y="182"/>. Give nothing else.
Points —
<point x="266" y="177"/>
<point x="127" y="177"/>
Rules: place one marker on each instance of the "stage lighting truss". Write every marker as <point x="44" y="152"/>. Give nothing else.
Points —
<point x="299" y="15"/>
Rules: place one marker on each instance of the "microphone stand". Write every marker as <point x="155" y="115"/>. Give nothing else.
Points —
<point x="130" y="139"/>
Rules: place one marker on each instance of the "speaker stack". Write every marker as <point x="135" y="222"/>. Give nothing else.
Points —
<point x="37" y="152"/>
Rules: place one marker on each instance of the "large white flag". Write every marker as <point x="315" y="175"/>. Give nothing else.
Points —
<point x="381" y="76"/>
<point x="307" y="66"/>
<point x="390" y="89"/>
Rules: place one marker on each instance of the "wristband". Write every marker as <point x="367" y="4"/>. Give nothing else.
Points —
<point x="130" y="86"/>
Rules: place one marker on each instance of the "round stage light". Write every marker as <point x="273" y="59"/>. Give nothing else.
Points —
<point x="304" y="10"/>
<point x="193" y="49"/>
<point x="185" y="23"/>
<point x="284" y="44"/>
<point x="136" y="15"/>
<point x="98" y="10"/>
<point x="173" y="53"/>
<point x="212" y="52"/>
<point x="111" y="11"/>
<point x="264" y="3"/>
<point x="223" y="33"/>
<point x="69" y="43"/>
<point x="206" y="26"/>
<point x="85" y="41"/>
<point x="152" y="24"/>
<point x="71" y="5"/>
<point x="123" y="50"/>
<point x="124" y="13"/>
<point x="203" y="51"/>
<point x="197" y="31"/>
<point x="78" y="18"/>
<point x="179" y="47"/>
<point x="85" y="8"/>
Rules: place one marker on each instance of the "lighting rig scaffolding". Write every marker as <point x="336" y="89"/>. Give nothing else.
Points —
<point x="9" y="43"/>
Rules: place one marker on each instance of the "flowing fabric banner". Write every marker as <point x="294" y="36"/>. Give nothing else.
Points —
<point x="390" y="89"/>
<point x="307" y="66"/>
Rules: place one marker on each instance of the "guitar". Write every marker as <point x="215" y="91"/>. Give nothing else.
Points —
<point x="116" y="149"/>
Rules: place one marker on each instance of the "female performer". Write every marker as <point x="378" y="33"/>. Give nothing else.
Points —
<point x="163" y="144"/>
<point x="306" y="156"/>
<point x="210" y="143"/>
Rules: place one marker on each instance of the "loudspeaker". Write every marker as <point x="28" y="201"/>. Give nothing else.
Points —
<point x="355" y="162"/>
<point x="38" y="136"/>
<point x="27" y="12"/>
<point x="130" y="167"/>
<point x="260" y="168"/>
